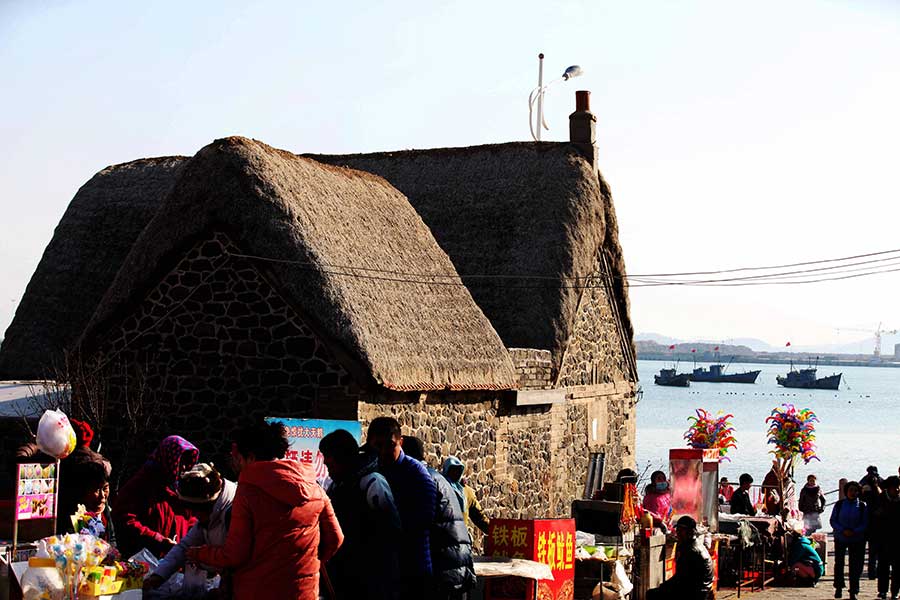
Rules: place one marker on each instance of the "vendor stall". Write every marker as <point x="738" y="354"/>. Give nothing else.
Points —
<point x="694" y="476"/>
<point x="605" y="541"/>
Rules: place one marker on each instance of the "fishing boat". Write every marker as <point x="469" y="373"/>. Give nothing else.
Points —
<point x="806" y="379"/>
<point x="716" y="374"/>
<point x="671" y="378"/>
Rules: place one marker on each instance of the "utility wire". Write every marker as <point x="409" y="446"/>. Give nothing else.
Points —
<point x="770" y="267"/>
<point x="801" y="274"/>
<point x="589" y="282"/>
<point x="764" y="282"/>
<point x="662" y="279"/>
<point x="564" y="278"/>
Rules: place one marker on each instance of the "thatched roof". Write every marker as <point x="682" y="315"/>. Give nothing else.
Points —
<point x="410" y="334"/>
<point x="508" y="210"/>
<point x="88" y="247"/>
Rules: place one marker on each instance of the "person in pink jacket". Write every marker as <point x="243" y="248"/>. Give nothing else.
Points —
<point x="658" y="499"/>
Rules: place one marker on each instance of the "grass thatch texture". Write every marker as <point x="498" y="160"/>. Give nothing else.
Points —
<point x="88" y="247"/>
<point x="513" y="209"/>
<point x="275" y="205"/>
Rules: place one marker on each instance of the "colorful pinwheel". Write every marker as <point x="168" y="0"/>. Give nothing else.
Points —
<point x="708" y="431"/>
<point x="793" y="432"/>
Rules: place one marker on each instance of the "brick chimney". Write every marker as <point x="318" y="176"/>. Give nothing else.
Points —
<point x="583" y="127"/>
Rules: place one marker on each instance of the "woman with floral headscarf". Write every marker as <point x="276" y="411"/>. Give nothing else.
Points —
<point x="148" y="512"/>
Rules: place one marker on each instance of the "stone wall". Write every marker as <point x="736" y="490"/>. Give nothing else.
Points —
<point x="211" y="347"/>
<point x="596" y="350"/>
<point x="597" y="367"/>
<point x="523" y="461"/>
<point x="534" y="368"/>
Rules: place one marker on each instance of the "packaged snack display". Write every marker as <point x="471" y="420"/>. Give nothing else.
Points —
<point x="99" y="581"/>
<point x="70" y="554"/>
<point x="131" y="574"/>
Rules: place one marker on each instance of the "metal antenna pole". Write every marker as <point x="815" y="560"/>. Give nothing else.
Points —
<point x="540" y="98"/>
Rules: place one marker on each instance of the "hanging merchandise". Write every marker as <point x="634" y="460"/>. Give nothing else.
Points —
<point x="55" y="435"/>
<point x="711" y="432"/>
<point x="793" y="433"/>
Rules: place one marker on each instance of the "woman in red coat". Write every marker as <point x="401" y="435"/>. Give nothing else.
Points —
<point x="148" y="513"/>
<point x="282" y="525"/>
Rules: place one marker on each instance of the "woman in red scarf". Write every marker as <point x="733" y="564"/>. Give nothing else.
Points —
<point x="148" y="512"/>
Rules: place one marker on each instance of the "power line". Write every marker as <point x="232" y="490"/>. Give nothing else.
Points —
<point x="564" y="278"/>
<point x="725" y="283"/>
<point x="801" y="274"/>
<point x="770" y="267"/>
<point x="798" y="277"/>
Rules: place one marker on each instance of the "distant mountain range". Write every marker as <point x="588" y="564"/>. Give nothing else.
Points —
<point x="747" y="346"/>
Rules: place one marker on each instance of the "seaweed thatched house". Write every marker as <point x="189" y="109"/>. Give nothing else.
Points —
<point x="478" y="294"/>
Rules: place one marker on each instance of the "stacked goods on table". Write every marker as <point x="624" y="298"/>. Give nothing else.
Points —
<point x="78" y="565"/>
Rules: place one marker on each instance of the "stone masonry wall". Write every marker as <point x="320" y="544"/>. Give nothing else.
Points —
<point x="595" y="352"/>
<point x="622" y="429"/>
<point x="534" y="368"/>
<point x="596" y="364"/>
<point x="523" y="461"/>
<point x="212" y="346"/>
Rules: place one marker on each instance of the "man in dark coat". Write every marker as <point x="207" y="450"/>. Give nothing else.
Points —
<point x="886" y="519"/>
<point x="871" y="492"/>
<point x="451" y="545"/>
<point x="415" y="493"/>
<point x="693" y="579"/>
<point x="740" y="500"/>
<point x="364" y="505"/>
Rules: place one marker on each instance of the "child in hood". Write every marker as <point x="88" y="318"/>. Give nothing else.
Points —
<point x="148" y="512"/>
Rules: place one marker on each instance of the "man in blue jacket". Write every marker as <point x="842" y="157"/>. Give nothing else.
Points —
<point x="849" y="520"/>
<point x="416" y="496"/>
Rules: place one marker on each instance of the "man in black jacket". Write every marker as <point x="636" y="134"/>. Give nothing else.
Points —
<point x="886" y="520"/>
<point x="364" y="505"/>
<point x="740" y="500"/>
<point x="451" y="545"/>
<point x="693" y="579"/>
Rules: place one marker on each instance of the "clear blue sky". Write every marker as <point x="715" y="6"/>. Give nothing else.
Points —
<point x="732" y="133"/>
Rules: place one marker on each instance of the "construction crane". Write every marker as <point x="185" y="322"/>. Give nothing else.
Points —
<point x="880" y="331"/>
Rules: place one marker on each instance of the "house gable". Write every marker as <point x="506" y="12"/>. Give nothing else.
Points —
<point x="598" y="351"/>
<point x="214" y="345"/>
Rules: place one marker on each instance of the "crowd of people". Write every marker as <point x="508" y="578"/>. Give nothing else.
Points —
<point x="382" y="515"/>
<point x="866" y="515"/>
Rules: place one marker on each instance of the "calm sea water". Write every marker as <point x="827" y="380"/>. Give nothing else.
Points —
<point x="859" y="424"/>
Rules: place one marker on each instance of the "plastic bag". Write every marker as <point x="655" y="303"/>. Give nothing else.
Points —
<point x="620" y="580"/>
<point x="42" y="581"/>
<point x="194" y="583"/>
<point x="55" y="435"/>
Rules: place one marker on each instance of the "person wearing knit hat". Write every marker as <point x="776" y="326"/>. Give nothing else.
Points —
<point x="209" y="495"/>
